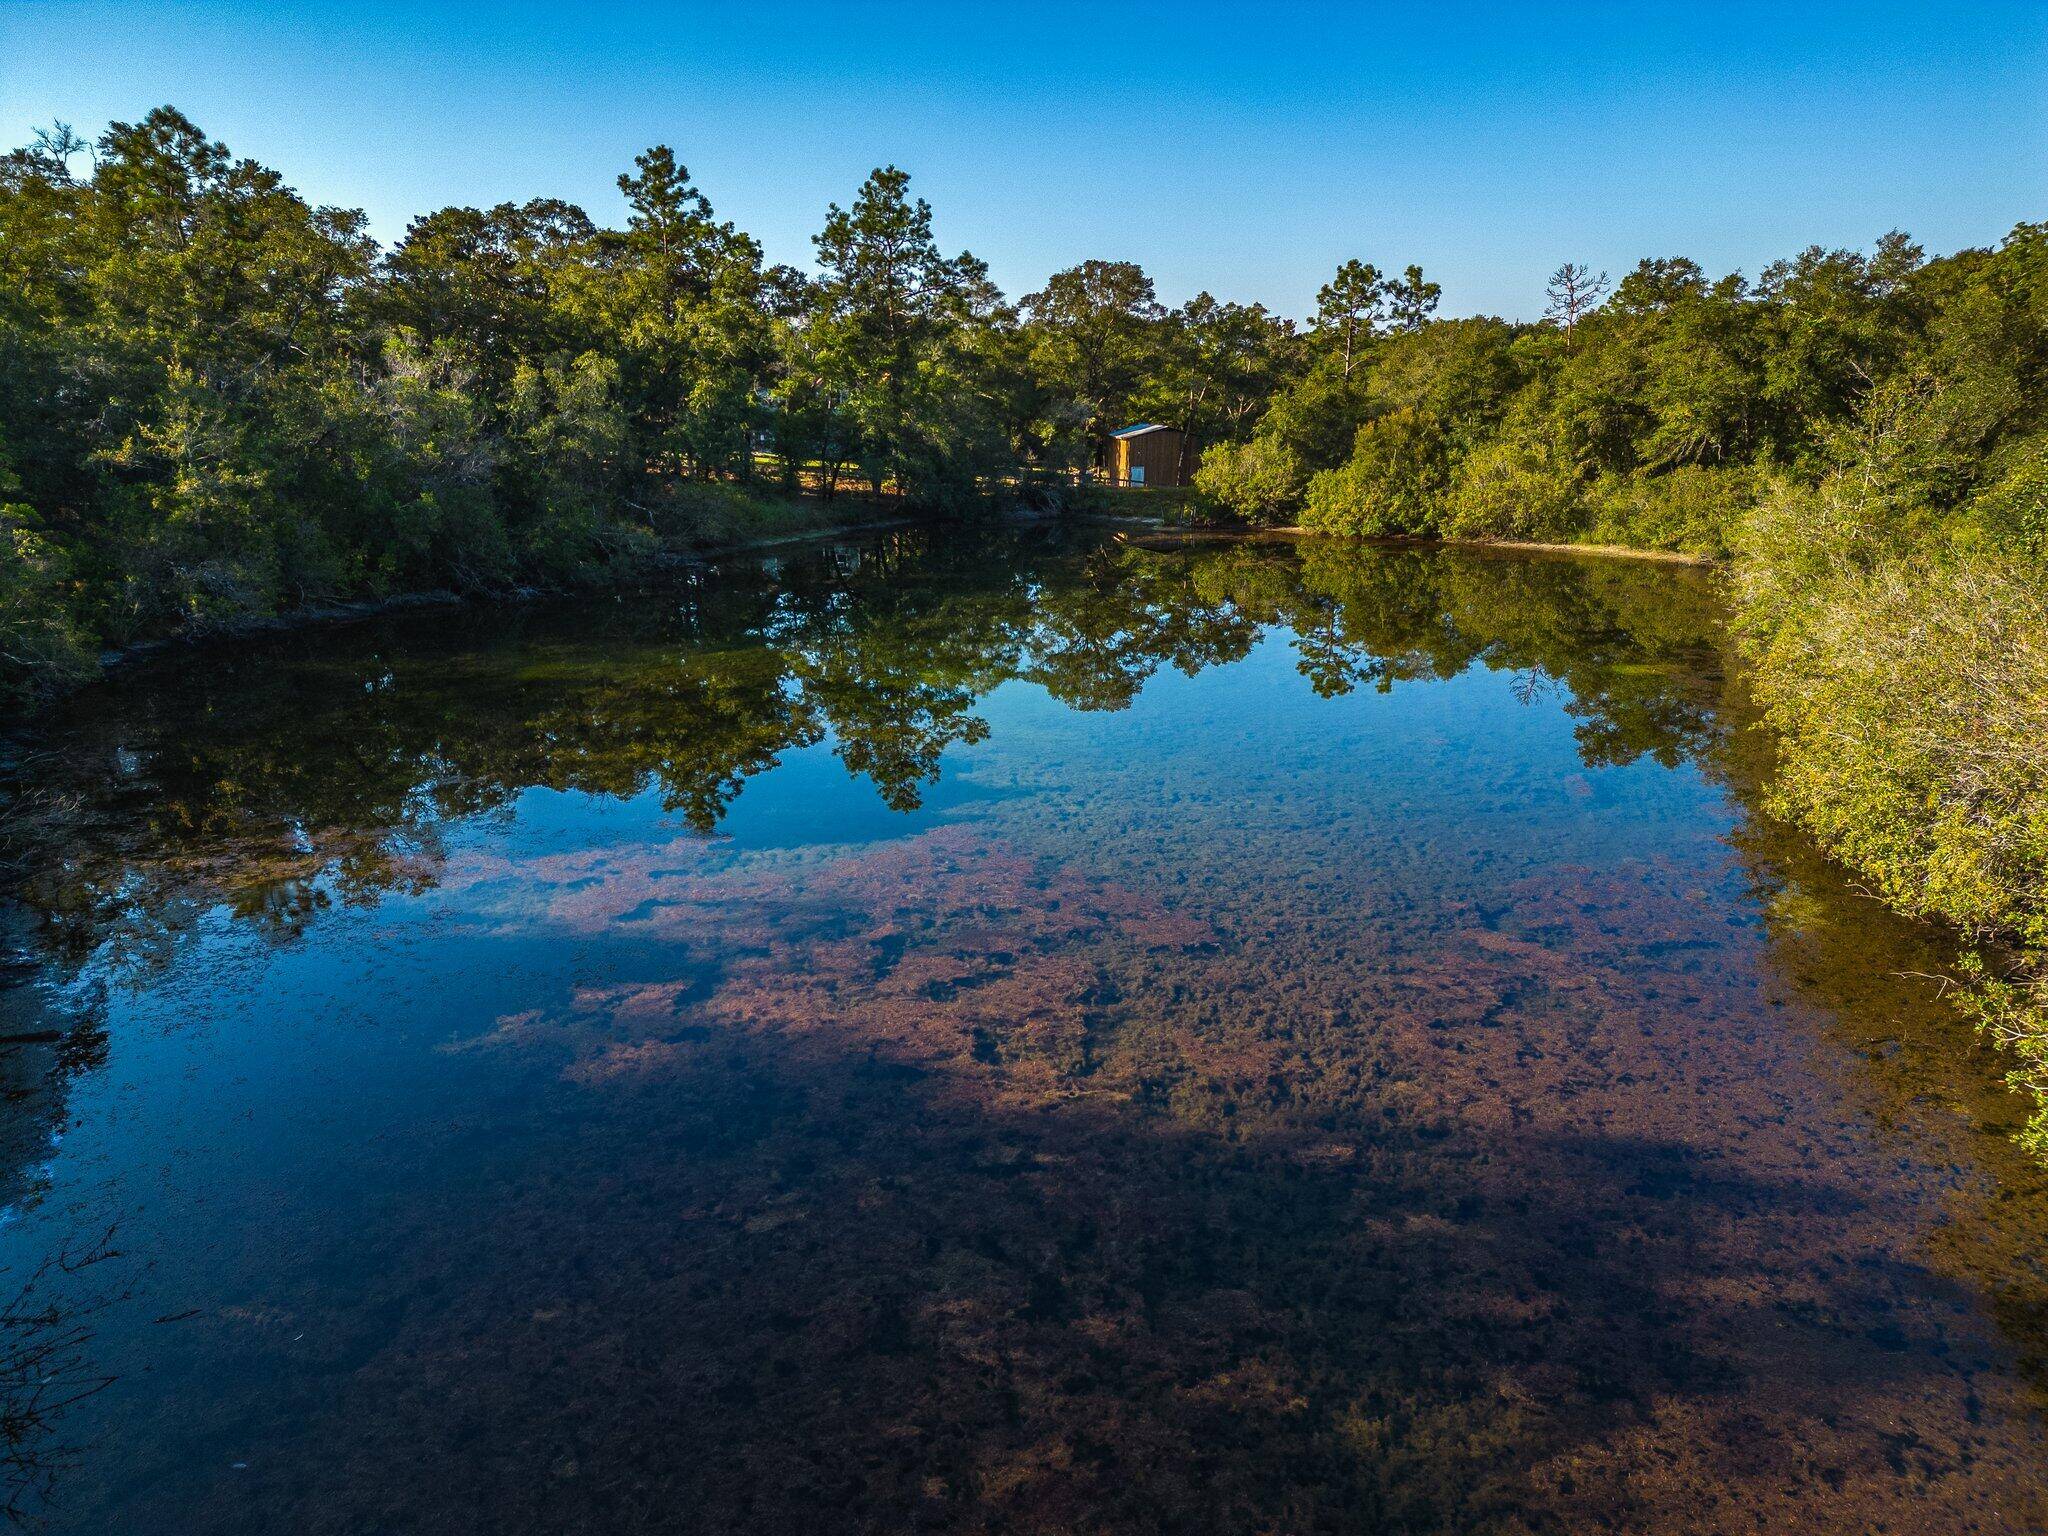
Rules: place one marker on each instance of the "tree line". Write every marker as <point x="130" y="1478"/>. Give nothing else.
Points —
<point x="218" y="399"/>
<point x="1654" y="411"/>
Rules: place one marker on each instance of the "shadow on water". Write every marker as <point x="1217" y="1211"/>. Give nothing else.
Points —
<point x="980" y="1176"/>
<point x="49" y="1306"/>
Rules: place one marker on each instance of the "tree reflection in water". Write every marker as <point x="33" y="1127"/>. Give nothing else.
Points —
<point x="1139" y="1168"/>
<point x="287" y="775"/>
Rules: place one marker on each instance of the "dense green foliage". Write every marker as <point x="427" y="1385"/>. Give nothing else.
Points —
<point x="218" y="400"/>
<point x="1900" y="642"/>
<point x="1648" y="415"/>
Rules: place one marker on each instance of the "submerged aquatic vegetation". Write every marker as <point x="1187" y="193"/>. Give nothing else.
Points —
<point x="1028" y="1032"/>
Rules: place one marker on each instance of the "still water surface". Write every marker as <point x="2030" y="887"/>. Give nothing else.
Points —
<point x="990" y="1032"/>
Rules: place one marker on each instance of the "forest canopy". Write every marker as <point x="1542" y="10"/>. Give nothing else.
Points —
<point x="219" y="399"/>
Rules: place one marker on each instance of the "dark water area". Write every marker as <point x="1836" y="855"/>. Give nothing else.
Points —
<point x="985" y="1032"/>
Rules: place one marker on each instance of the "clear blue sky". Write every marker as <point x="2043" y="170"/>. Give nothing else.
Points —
<point x="1243" y="149"/>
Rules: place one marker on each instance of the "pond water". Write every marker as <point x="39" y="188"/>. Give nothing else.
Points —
<point x="980" y="1031"/>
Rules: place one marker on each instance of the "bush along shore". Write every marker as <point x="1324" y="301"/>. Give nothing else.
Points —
<point x="220" y="403"/>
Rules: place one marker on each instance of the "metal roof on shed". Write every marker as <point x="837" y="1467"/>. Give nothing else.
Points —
<point x="1141" y="429"/>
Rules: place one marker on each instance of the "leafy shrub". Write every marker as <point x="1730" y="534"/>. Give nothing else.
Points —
<point x="570" y="545"/>
<point x="1909" y="693"/>
<point x="1691" y="510"/>
<point x="2011" y="513"/>
<point x="41" y="644"/>
<point x="1393" y="482"/>
<point x="1260" y="481"/>
<point x="1511" y="490"/>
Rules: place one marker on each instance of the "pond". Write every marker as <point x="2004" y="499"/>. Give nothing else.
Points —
<point x="971" y="1031"/>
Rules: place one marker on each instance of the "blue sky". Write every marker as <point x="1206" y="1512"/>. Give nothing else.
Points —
<point x="1242" y="149"/>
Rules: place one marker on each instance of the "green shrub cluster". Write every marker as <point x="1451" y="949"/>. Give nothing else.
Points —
<point x="1904" y="669"/>
<point x="1260" y="480"/>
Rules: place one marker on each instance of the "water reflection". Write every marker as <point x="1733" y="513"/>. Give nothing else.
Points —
<point x="1175" y="1070"/>
<point x="282" y="778"/>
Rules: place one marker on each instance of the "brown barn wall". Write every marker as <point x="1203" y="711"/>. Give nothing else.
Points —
<point x="1157" y="453"/>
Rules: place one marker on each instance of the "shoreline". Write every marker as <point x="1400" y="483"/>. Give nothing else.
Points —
<point x="1291" y="532"/>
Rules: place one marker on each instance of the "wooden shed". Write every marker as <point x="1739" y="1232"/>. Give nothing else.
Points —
<point x="1151" y="455"/>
